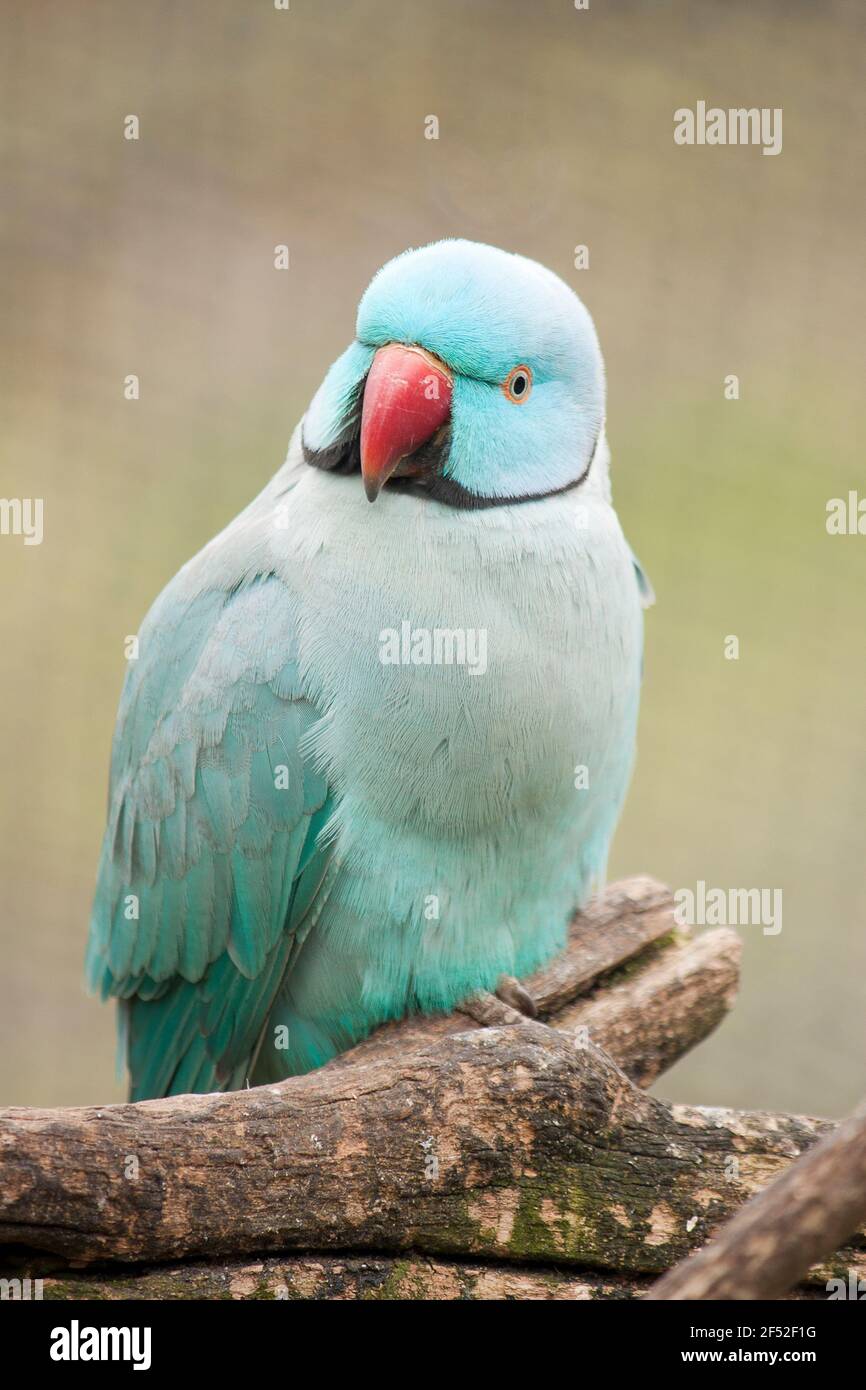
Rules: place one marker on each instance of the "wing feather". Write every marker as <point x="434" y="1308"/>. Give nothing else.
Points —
<point x="212" y="854"/>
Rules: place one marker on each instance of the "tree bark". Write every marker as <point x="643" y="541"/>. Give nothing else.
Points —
<point x="505" y="1143"/>
<point x="344" y="1278"/>
<point x="800" y="1218"/>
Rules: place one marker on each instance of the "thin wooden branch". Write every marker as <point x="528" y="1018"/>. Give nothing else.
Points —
<point x="615" y="927"/>
<point x="798" y="1219"/>
<point x="665" y="1004"/>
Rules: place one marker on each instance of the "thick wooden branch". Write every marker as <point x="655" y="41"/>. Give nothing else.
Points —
<point x="508" y="1143"/>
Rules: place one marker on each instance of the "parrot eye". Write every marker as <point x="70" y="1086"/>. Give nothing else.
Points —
<point x="518" y="384"/>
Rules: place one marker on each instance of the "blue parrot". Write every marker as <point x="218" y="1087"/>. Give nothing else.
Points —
<point x="369" y="759"/>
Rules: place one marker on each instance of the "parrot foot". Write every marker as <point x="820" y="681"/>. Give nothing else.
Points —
<point x="487" y="1009"/>
<point x="511" y="992"/>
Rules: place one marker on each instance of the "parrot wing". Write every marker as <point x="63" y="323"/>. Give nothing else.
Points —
<point x="212" y="868"/>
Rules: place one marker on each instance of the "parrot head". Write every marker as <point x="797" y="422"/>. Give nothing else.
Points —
<point x="475" y="378"/>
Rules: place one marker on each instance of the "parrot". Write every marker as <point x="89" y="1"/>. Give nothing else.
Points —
<point x="368" y="760"/>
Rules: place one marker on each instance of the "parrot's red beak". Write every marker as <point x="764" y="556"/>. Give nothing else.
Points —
<point x="407" y="398"/>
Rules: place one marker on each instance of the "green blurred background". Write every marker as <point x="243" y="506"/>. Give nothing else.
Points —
<point x="155" y="257"/>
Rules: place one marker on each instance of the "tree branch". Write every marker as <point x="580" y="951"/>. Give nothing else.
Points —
<point x="345" y="1278"/>
<point x="352" y="1277"/>
<point x="508" y="1143"/>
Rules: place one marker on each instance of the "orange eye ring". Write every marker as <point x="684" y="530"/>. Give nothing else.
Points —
<point x="518" y="384"/>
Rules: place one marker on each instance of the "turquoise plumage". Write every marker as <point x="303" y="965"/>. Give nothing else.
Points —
<point x="305" y="840"/>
